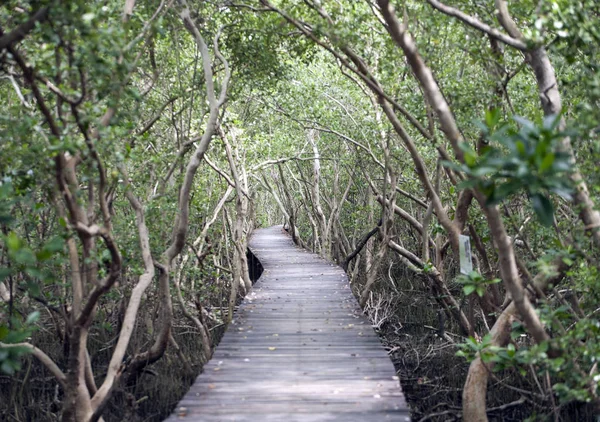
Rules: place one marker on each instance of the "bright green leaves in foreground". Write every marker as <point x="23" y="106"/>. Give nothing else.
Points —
<point x="475" y="283"/>
<point x="30" y="263"/>
<point x="26" y="268"/>
<point x="17" y="332"/>
<point x="526" y="160"/>
<point x="580" y="351"/>
<point x="575" y="334"/>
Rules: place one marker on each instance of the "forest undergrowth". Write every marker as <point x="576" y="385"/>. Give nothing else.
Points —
<point x="423" y="345"/>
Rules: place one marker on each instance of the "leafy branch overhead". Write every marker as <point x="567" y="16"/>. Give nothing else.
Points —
<point x="513" y="160"/>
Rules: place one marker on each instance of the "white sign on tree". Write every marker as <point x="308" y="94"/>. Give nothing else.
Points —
<point x="464" y="249"/>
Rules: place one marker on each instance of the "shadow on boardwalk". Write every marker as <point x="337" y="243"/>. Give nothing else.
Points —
<point x="299" y="349"/>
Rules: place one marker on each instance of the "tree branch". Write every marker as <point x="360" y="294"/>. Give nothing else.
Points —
<point x="20" y="32"/>
<point x="361" y="244"/>
<point x="475" y="23"/>
<point x="42" y="357"/>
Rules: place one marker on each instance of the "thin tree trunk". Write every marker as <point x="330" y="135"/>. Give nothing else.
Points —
<point x="323" y="240"/>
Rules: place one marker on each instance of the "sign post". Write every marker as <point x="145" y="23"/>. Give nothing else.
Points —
<point x="464" y="248"/>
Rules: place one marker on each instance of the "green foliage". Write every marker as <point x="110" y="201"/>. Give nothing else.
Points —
<point x="32" y="263"/>
<point x="471" y="348"/>
<point x="17" y="332"/>
<point x="475" y="283"/>
<point x="575" y="24"/>
<point x="26" y="267"/>
<point x="528" y="160"/>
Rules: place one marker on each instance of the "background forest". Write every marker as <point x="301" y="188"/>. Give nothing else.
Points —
<point x="141" y="142"/>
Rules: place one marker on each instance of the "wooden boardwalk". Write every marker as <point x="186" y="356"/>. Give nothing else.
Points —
<point x="299" y="350"/>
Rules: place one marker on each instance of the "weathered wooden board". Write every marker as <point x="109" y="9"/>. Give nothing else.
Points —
<point x="299" y="350"/>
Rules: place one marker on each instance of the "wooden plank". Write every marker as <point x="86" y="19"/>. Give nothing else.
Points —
<point x="298" y="350"/>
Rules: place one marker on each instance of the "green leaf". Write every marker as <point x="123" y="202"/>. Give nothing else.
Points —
<point x="527" y="124"/>
<point x="485" y="129"/>
<point x="13" y="242"/>
<point x="56" y="244"/>
<point x="34" y="272"/>
<point x="492" y="117"/>
<point x="43" y="255"/>
<point x="551" y="122"/>
<point x="563" y="192"/>
<point x="547" y="162"/>
<point x="53" y="246"/>
<point x="469" y="154"/>
<point x="4" y="272"/>
<point x="469" y="288"/>
<point x="461" y="354"/>
<point x="479" y="171"/>
<point x="543" y="209"/>
<point x="506" y="189"/>
<point x="467" y="184"/>
<point x="25" y="256"/>
<point x="3" y="332"/>
<point x="34" y="289"/>
<point x="32" y="317"/>
<point x="7" y="367"/>
<point x="452" y="166"/>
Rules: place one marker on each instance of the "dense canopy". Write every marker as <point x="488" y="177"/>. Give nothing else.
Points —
<point x="141" y="142"/>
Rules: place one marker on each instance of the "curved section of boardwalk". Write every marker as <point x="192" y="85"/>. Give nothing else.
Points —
<point x="299" y="350"/>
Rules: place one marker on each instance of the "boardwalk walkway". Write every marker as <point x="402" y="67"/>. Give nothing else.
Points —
<point x="299" y="350"/>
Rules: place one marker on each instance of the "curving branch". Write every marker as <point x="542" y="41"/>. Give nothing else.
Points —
<point x="219" y="171"/>
<point x="359" y="246"/>
<point x="181" y="222"/>
<point x="506" y="20"/>
<point x="446" y="298"/>
<point x="477" y="24"/>
<point x="42" y="357"/>
<point x="508" y="266"/>
<point x="215" y="104"/>
<point x="353" y="63"/>
<point x="475" y="389"/>
<point x="400" y="35"/>
<point x="115" y="366"/>
<point x="19" y="33"/>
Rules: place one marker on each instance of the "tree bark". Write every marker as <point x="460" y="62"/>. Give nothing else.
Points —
<point x="361" y="244"/>
<point x="323" y="239"/>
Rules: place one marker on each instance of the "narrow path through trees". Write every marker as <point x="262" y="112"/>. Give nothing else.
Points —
<point x="299" y="349"/>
